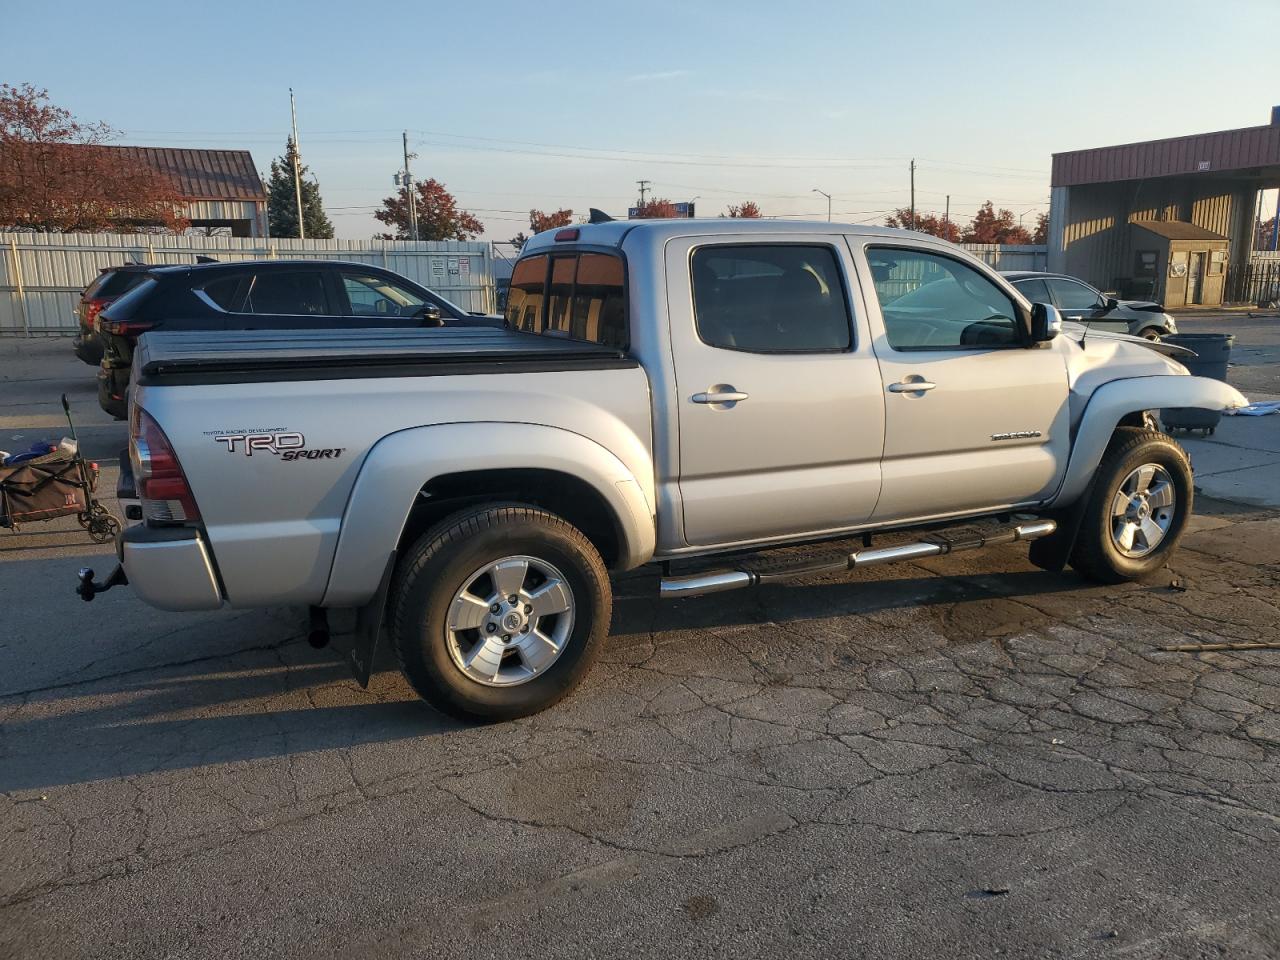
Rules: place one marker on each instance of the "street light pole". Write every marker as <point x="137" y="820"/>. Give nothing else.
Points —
<point x="828" y="196"/>
<point x="297" y="164"/>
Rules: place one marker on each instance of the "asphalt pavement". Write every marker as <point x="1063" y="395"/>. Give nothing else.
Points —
<point x="958" y="757"/>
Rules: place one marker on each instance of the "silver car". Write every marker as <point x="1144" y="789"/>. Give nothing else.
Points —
<point x="1082" y="303"/>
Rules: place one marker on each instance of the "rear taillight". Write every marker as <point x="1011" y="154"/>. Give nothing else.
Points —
<point x="92" y="308"/>
<point x="123" y="328"/>
<point x="161" y="485"/>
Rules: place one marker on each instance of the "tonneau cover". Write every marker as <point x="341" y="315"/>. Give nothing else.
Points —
<point x="227" y="356"/>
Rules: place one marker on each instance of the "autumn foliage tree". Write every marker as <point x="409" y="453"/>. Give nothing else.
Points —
<point x="438" y="215"/>
<point x="991" y="226"/>
<point x="656" y="209"/>
<point x="928" y="223"/>
<point x="746" y="210"/>
<point x="539" y="221"/>
<point x="58" y="175"/>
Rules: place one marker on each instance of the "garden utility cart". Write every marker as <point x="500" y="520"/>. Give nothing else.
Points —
<point x="56" y="481"/>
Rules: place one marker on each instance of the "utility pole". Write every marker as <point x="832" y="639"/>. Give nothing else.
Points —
<point x="913" y="193"/>
<point x="644" y="188"/>
<point x="408" y="191"/>
<point x="946" y="220"/>
<point x="297" y="166"/>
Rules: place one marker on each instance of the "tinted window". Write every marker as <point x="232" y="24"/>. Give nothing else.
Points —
<point x="931" y="302"/>
<point x="564" y="271"/>
<point x="119" y="282"/>
<point x="585" y="297"/>
<point x="92" y="289"/>
<point x="524" y="296"/>
<point x="223" y="291"/>
<point x="1074" y="296"/>
<point x="297" y="293"/>
<point x="123" y="307"/>
<point x="769" y="299"/>
<point x="1034" y="290"/>
<point x="374" y="296"/>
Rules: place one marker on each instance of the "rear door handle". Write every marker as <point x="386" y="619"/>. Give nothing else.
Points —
<point x="720" y="396"/>
<point x="911" y="386"/>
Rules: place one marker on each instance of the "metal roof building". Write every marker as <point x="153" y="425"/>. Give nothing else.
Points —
<point x="221" y="187"/>
<point x="1170" y="219"/>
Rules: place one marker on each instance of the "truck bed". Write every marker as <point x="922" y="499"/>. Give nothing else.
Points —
<point x="246" y="356"/>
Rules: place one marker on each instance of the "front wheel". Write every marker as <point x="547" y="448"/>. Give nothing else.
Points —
<point x="1141" y="499"/>
<point x="499" y="612"/>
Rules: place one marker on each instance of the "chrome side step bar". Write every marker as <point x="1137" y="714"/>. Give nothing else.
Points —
<point x="719" y="581"/>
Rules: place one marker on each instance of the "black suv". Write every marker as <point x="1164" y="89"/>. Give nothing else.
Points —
<point x="262" y="295"/>
<point x="110" y="284"/>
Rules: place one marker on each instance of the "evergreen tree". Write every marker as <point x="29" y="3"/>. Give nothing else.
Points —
<point x="282" y="205"/>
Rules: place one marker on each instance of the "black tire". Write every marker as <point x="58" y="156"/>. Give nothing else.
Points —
<point x="1151" y="333"/>
<point x="1096" y="555"/>
<point x="437" y="566"/>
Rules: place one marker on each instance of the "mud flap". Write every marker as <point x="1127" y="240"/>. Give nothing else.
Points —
<point x="1053" y="552"/>
<point x="369" y="626"/>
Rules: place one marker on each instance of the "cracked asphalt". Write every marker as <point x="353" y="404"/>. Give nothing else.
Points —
<point x="959" y="757"/>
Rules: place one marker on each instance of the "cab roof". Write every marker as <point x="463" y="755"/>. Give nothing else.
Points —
<point x="614" y="232"/>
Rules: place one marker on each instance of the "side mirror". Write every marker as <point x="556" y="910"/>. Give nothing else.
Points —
<point x="1046" y="322"/>
<point x="1111" y="303"/>
<point x="430" y="315"/>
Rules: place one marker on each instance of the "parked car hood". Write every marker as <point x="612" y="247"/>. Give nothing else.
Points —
<point x="1145" y="306"/>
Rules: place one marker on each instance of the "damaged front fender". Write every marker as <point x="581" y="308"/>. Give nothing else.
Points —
<point x="1111" y="402"/>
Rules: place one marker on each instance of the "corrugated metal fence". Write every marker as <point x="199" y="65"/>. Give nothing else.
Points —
<point x="1011" y="256"/>
<point x="41" y="275"/>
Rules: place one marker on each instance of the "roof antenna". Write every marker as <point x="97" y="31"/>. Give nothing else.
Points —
<point x="598" y="216"/>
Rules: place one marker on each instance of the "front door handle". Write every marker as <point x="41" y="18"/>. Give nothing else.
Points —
<point x="911" y="386"/>
<point x="721" y="393"/>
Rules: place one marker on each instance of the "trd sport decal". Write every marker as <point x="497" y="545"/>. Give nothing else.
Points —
<point x="286" y="446"/>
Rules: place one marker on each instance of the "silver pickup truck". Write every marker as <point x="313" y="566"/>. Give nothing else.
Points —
<point x="681" y="392"/>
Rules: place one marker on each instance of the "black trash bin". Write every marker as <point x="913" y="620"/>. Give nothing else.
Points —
<point x="1213" y="355"/>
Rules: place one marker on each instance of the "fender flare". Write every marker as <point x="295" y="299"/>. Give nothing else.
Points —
<point x="1111" y="401"/>
<point x="400" y="464"/>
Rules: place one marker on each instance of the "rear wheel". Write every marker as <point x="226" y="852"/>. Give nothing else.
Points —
<point x="1138" y="509"/>
<point x="499" y="612"/>
<point x="1151" y="333"/>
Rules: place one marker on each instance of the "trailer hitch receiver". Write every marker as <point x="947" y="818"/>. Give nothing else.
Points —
<point x="88" y="589"/>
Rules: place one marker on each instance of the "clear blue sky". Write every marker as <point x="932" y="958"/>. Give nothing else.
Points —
<point x="726" y="100"/>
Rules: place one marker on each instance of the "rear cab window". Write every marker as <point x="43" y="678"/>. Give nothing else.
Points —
<point x="578" y="295"/>
<point x="770" y="298"/>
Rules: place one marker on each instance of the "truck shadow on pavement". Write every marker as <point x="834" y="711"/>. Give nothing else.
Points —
<point x="289" y="700"/>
